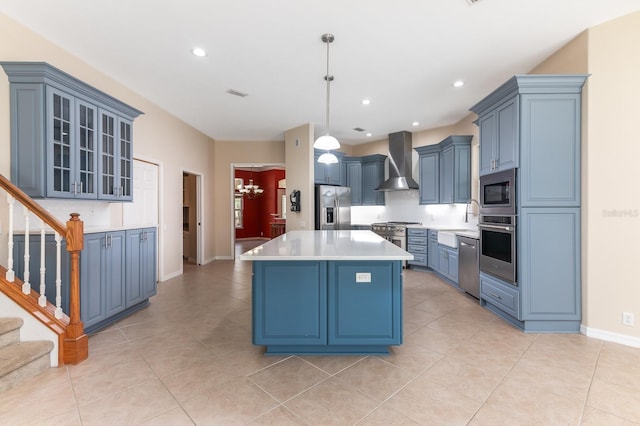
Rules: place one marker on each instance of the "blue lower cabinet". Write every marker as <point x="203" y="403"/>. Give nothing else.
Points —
<point x="289" y="303"/>
<point x="117" y="275"/>
<point x="327" y="307"/>
<point x="368" y="312"/>
<point x="140" y="265"/>
<point x="102" y="277"/>
<point x="498" y="294"/>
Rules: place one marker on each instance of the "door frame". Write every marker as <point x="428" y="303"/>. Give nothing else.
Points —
<point x="232" y="172"/>
<point x="199" y="239"/>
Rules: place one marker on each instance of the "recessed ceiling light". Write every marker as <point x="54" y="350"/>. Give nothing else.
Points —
<point x="415" y="123"/>
<point x="198" y="51"/>
<point x="458" y="83"/>
<point x="369" y="135"/>
<point x="366" y="101"/>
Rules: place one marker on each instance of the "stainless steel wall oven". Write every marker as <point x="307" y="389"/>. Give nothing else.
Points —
<point x="498" y="254"/>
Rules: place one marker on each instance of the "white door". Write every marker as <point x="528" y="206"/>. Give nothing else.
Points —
<point x="143" y="211"/>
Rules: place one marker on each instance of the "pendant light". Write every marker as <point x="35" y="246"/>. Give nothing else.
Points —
<point x="326" y="141"/>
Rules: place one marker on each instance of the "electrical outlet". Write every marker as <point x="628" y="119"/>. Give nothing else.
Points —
<point x="363" y="277"/>
<point x="627" y="319"/>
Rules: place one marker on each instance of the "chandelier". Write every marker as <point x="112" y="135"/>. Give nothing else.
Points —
<point x="326" y="141"/>
<point x="250" y="190"/>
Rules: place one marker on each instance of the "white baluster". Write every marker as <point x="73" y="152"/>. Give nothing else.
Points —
<point x="42" y="300"/>
<point x="58" y="311"/>
<point x="26" y="287"/>
<point x="10" y="275"/>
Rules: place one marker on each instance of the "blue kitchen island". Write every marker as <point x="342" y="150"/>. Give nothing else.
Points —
<point x="327" y="292"/>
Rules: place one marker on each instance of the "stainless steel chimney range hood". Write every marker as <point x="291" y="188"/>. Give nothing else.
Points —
<point x="400" y="149"/>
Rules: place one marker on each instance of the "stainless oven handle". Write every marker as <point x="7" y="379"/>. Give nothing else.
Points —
<point x="501" y="228"/>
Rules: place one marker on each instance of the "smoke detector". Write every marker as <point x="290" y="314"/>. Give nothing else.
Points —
<point x="472" y="2"/>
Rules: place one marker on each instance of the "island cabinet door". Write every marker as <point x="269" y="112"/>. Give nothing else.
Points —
<point x="289" y="303"/>
<point x="365" y="303"/>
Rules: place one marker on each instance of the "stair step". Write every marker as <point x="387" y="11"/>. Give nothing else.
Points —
<point x="9" y="331"/>
<point x="22" y="360"/>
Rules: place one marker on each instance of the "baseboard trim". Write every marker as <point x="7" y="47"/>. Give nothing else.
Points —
<point x="610" y="336"/>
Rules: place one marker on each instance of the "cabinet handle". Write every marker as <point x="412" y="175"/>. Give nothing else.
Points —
<point x="105" y="241"/>
<point x="81" y="187"/>
<point x="110" y="239"/>
<point x="497" y="296"/>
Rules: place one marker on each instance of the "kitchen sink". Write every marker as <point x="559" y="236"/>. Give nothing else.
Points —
<point x="448" y="238"/>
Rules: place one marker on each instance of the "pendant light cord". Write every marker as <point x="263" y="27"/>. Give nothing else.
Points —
<point x="328" y="39"/>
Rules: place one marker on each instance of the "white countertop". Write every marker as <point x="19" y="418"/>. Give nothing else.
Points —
<point x="471" y="233"/>
<point x="327" y="245"/>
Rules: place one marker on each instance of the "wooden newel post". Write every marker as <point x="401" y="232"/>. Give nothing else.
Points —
<point x="76" y="347"/>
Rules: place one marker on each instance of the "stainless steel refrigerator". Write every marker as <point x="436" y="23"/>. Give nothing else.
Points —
<point x="333" y="207"/>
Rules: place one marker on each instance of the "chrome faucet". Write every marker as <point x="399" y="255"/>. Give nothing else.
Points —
<point x="466" y="211"/>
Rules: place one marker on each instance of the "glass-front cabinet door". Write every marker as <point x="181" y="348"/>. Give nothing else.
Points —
<point x="107" y="162"/>
<point x="60" y="135"/>
<point x="71" y="130"/>
<point x="126" y="160"/>
<point x="86" y="185"/>
<point x="116" y="158"/>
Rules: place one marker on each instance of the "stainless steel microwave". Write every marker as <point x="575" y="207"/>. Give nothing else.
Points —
<point x="498" y="193"/>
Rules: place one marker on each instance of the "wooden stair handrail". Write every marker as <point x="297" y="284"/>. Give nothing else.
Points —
<point x="76" y="342"/>
<point x="32" y="206"/>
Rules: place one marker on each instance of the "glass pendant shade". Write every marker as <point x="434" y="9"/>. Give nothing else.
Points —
<point x="328" y="158"/>
<point x="326" y="142"/>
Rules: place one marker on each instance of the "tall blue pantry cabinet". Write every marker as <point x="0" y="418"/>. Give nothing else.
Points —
<point x="533" y="123"/>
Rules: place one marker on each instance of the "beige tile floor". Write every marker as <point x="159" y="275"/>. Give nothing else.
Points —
<point x="188" y="359"/>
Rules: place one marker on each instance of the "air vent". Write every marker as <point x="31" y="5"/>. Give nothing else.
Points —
<point x="358" y="129"/>
<point x="237" y="93"/>
<point x="472" y="2"/>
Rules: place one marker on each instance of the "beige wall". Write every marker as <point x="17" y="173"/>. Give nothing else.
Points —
<point x="613" y="149"/>
<point x="158" y="137"/>
<point x="300" y="168"/>
<point x="223" y="156"/>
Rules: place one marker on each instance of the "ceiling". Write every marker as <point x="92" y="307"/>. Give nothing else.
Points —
<point x="402" y="55"/>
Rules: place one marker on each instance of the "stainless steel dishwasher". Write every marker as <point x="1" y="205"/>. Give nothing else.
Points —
<point x="469" y="272"/>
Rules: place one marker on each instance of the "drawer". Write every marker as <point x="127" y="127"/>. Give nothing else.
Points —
<point x="417" y="231"/>
<point x="504" y="296"/>
<point x="433" y="234"/>
<point x="417" y="240"/>
<point x="413" y="249"/>
<point x="418" y="259"/>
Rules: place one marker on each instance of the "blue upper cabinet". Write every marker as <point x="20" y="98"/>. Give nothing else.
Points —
<point x="499" y="137"/>
<point x="549" y="172"/>
<point x="372" y="177"/>
<point x="68" y="139"/>
<point x="363" y="176"/>
<point x="429" y="180"/>
<point x="445" y="171"/>
<point x="116" y="157"/>
<point x="353" y="170"/>
<point x="329" y="174"/>
<point x="455" y="171"/>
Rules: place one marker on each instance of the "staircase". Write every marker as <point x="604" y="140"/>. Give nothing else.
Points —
<point x="20" y="360"/>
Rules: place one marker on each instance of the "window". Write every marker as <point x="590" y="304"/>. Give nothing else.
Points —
<point x="238" y="204"/>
